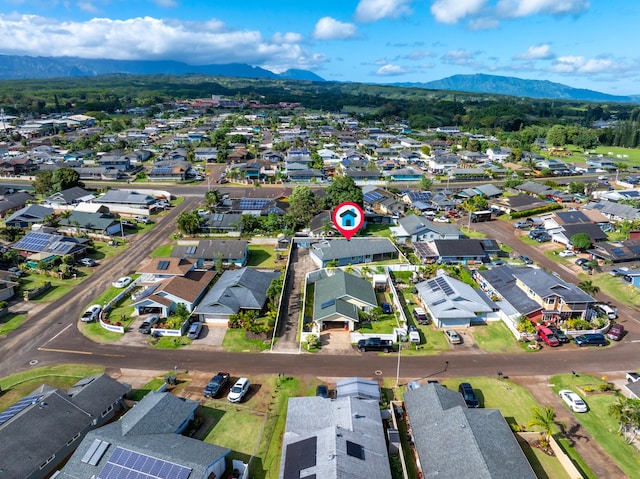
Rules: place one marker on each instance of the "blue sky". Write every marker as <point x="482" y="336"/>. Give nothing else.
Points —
<point x="581" y="43"/>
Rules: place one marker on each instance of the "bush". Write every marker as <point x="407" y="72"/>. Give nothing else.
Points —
<point x="312" y="342"/>
<point x="579" y="324"/>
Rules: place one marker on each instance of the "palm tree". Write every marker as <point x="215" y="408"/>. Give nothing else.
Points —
<point x="588" y="287"/>
<point x="544" y="418"/>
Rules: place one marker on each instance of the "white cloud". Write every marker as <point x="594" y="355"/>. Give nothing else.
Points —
<point x="483" y="23"/>
<point x="536" y="52"/>
<point x="288" y="37"/>
<point x="452" y="11"/>
<point x="87" y="7"/>
<point x="391" y="70"/>
<point x="459" y="57"/>
<point x="419" y="55"/>
<point x="328" y="28"/>
<point x="374" y="10"/>
<point x="588" y="66"/>
<point x="523" y="8"/>
<point x="206" y="42"/>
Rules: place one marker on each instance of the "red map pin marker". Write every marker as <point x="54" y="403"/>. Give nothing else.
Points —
<point x="348" y="218"/>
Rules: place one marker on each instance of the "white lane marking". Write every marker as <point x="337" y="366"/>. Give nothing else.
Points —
<point x="67" y="327"/>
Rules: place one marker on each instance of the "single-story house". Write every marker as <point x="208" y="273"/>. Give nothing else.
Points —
<point x="127" y="198"/>
<point x="238" y="290"/>
<point x="517" y="203"/>
<point x="163" y="298"/>
<point x="460" y="251"/>
<point x="453" y="303"/>
<point x="339" y="297"/>
<point x="229" y="252"/>
<point x="453" y="441"/>
<point x="358" y="388"/>
<point x="29" y="215"/>
<point x="159" y="269"/>
<point x="148" y="439"/>
<point x="99" y="223"/>
<point x="43" y="428"/>
<point x="418" y="228"/>
<point x="68" y="197"/>
<point x="355" y="251"/>
<point x="50" y="245"/>
<point x="12" y="201"/>
<point x="7" y="285"/>
<point x="331" y="439"/>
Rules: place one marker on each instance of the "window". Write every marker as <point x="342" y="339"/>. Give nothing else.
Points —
<point x="73" y="439"/>
<point x="107" y="411"/>
<point x="44" y="464"/>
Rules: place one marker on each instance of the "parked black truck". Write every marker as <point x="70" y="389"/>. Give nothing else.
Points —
<point x="375" y="344"/>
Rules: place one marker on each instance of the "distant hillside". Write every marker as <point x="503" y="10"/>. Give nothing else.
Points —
<point x="13" y="67"/>
<point x="480" y="83"/>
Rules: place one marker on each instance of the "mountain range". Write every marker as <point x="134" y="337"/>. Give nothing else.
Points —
<point x="13" y="67"/>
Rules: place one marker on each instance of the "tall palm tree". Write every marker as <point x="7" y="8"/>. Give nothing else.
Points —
<point x="588" y="287"/>
<point x="544" y="418"/>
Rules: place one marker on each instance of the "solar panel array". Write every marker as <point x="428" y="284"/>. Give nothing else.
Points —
<point x="19" y="407"/>
<point x="35" y="241"/>
<point x="161" y="170"/>
<point x="163" y="265"/>
<point x="251" y="204"/>
<point x="326" y="304"/>
<point x="440" y="283"/>
<point x="419" y="196"/>
<point x="190" y="249"/>
<point x="126" y="464"/>
<point x="618" y="252"/>
<point x="372" y="196"/>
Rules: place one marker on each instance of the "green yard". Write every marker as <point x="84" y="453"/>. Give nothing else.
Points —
<point x="599" y="422"/>
<point x="383" y="231"/>
<point x="235" y="341"/>
<point x="265" y="256"/>
<point x="495" y="337"/>
<point x="9" y="322"/>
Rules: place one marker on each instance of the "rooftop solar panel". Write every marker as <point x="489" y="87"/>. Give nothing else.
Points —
<point x="163" y="265"/>
<point x="190" y="249"/>
<point x="19" y="406"/>
<point x="126" y="464"/>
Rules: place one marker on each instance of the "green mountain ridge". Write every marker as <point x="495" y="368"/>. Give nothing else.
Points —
<point x="494" y="84"/>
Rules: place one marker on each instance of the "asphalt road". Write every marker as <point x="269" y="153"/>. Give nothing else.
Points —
<point x="51" y="336"/>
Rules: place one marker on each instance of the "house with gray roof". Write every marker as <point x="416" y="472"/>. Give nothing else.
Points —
<point x="459" y="251"/>
<point x="358" y="388"/>
<point x="98" y="223"/>
<point x="208" y="252"/>
<point x="418" y="228"/>
<point x="614" y="211"/>
<point x="11" y="201"/>
<point x="453" y="441"/>
<point x="236" y="290"/>
<point x="535" y="293"/>
<point x="517" y="203"/>
<point x="148" y="439"/>
<point x="42" y="429"/>
<point x="453" y="303"/>
<point x="332" y="439"/>
<point x="343" y="252"/>
<point x="68" y="197"/>
<point x="29" y="215"/>
<point x="338" y="298"/>
<point x="128" y="198"/>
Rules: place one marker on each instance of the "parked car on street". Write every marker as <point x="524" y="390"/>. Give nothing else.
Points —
<point x="521" y="224"/>
<point x="216" y="384"/>
<point x="590" y="339"/>
<point x="572" y="400"/>
<point x="525" y="259"/>
<point x="469" y="395"/>
<point x="238" y="390"/>
<point x="452" y="336"/>
<point x="122" y="282"/>
<point x="616" y="332"/>
<point x="91" y="314"/>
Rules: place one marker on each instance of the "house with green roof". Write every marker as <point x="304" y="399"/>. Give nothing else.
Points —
<point x="338" y="298"/>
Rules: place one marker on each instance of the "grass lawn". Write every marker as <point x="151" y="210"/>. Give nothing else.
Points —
<point x="264" y="256"/>
<point x="255" y="427"/>
<point x="10" y="321"/>
<point x="495" y="337"/>
<point x="163" y="251"/>
<point x="615" y="287"/>
<point x="543" y="464"/>
<point x="377" y="230"/>
<point x="469" y="233"/>
<point x="59" y="287"/>
<point x="236" y="342"/>
<point x="171" y="342"/>
<point x="62" y="376"/>
<point x="104" y="251"/>
<point x="599" y="422"/>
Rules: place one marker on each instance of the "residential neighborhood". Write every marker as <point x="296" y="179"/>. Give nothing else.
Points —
<point x="195" y="236"/>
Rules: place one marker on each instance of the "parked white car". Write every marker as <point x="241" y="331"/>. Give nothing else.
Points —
<point x="566" y="253"/>
<point x="91" y="314"/>
<point x="575" y="402"/>
<point x="238" y="390"/>
<point x="122" y="282"/>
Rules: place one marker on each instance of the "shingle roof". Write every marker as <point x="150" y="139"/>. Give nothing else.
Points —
<point x="332" y="294"/>
<point x="341" y="430"/>
<point x="212" y="249"/>
<point x="453" y="441"/>
<point x="244" y="288"/>
<point x="337" y="249"/>
<point x="124" y="197"/>
<point x="447" y="297"/>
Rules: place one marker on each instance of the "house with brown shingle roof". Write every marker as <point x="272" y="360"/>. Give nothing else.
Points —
<point x="163" y="298"/>
<point x="158" y="269"/>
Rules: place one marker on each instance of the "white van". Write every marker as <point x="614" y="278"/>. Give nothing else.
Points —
<point x="608" y="311"/>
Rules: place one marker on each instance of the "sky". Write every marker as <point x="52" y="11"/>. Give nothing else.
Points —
<point x="581" y="43"/>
